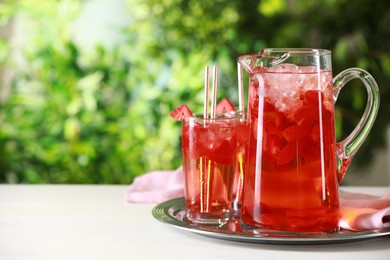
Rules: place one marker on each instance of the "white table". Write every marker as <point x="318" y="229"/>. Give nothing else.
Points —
<point x="94" y="222"/>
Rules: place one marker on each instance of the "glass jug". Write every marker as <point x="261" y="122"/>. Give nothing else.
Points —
<point x="294" y="164"/>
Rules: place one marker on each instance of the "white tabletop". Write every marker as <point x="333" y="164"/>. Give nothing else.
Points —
<point x="94" y="222"/>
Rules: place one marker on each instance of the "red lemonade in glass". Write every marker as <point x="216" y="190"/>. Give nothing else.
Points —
<point x="290" y="182"/>
<point x="209" y="152"/>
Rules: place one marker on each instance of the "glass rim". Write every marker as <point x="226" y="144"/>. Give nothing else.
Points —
<point x="220" y="117"/>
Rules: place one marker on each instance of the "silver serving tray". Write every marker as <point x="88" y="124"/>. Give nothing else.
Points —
<point x="174" y="213"/>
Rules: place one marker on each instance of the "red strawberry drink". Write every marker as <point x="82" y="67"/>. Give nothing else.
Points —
<point x="290" y="181"/>
<point x="209" y="148"/>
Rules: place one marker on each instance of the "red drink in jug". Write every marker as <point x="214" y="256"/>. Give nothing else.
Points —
<point x="290" y="182"/>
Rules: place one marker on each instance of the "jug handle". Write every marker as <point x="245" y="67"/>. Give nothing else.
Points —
<point x="347" y="148"/>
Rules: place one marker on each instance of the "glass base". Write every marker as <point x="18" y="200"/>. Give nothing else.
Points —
<point x="208" y="218"/>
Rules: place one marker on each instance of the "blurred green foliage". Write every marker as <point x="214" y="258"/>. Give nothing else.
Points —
<point x="101" y="116"/>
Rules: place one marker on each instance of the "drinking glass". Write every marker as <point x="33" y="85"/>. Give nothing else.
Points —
<point x="209" y="149"/>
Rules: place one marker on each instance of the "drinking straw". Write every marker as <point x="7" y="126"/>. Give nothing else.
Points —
<point x="206" y="91"/>
<point x="240" y="90"/>
<point x="205" y="173"/>
<point x="214" y="91"/>
<point x="214" y="87"/>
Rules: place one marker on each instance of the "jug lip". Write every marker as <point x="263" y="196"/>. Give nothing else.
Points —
<point x="271" y="52"/>
<point x="292" y="51"/>
<point x="269" y="57"/>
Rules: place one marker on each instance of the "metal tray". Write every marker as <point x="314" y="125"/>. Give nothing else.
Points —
<point x="173" y="212"/>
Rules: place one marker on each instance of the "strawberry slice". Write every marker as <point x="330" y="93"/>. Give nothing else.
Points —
<point x="312" y="98"/>
<point x="306" y="115"/>
<point x="287" y="154"/>
<point x="296" y="133"/>
<point x="181" y="113"/>
<point x="225" y="106"/>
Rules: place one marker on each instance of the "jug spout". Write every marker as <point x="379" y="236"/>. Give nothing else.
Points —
<point x="256" y="63"/>
<point x="248" y="62"/>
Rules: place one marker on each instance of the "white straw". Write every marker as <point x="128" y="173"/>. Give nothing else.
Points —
<point x="240" y="90"/>
<point x="214" y="91"/>
<point x="206" y="91"/>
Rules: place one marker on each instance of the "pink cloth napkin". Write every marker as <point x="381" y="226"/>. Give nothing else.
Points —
<point x="364" y="212"/>
<point x="358" y="211"/>
<point x="156" y="186"/>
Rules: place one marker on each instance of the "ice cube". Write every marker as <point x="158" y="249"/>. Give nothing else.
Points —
<point x="307" y="69"/>
<point x="285" y="83"/>
<point x="309" y="81"/>
<point x="280" y="105"/>
<point x="285" y="67"/>
<point x="314" y="80"/>
<point x="216" y="133"/>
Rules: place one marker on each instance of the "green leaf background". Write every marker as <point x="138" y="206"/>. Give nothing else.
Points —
<point x="70" y="115"/>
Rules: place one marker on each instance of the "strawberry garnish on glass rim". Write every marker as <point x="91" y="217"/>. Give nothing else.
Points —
<point x="181" y="113"/>
<point x="225" y="106"/>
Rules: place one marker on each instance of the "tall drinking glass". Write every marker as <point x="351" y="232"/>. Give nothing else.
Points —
<point x="209" y="149"/>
